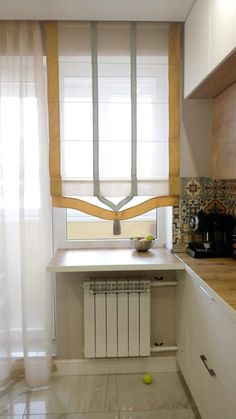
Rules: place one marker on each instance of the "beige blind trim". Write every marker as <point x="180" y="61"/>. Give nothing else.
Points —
<point x="54" y="132"/>
<point x="51" y="31"/>
<point x="174" y="107"/>
<point x="79" y="204"/>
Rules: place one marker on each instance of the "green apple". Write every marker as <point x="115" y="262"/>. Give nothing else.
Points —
<point x="149" y="237"/>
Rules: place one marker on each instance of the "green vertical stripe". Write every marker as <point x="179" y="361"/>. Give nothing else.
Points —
<point x="114" y="207"/>
<point x="133" y="75"/>
<point x="95" y="109"/>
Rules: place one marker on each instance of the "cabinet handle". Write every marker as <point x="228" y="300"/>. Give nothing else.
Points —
<point x="211" y="371"/>
<point x="208" y="295"/>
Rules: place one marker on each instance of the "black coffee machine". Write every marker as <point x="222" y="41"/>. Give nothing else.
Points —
<point x="213" y="233"/>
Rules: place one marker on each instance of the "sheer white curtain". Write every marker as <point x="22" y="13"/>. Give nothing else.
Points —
<point x="25" y="206"/>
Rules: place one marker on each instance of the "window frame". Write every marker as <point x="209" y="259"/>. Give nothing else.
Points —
<point x="164" y="229"/>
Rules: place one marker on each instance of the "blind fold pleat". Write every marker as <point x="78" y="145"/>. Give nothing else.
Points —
<point x="121" y="79"/>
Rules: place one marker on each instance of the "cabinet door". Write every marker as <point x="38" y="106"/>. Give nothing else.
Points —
<point x="208" y="392"/>
<point x="197" y="46"/>
<point x="198" y="380"/>
<point x="215" y="332"/>
<point x="204" y="327"/>
<point x="223" y="30"/>
<point x="182" y="322"/>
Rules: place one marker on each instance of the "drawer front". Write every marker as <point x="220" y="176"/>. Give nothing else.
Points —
<point x="197" y="379"/>
<point x="215" y="333"/>
<point x="208" y="392"/>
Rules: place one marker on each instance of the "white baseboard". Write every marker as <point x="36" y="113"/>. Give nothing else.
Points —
<point x="115" y="365"/>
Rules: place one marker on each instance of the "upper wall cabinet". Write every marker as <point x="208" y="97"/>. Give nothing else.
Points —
<point x="210" y="48"/>
<point x="197" y="46"/>
<point x="223" y="30"/>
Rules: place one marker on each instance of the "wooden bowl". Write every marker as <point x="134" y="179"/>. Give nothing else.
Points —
<point x="141" y="244"/>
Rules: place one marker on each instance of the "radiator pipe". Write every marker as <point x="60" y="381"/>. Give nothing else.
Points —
<point x="163" y="348"/>
<point x="163" y="283"/>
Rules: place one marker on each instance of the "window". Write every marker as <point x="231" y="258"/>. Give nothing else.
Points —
<point x="113" y="108"/>
<point x="159" y="220"/>
<point x="113" y="96"/>
<point x="81" y="226"/>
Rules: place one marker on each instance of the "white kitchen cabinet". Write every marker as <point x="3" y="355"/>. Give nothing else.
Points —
<point x="205" y="327"/>
<point x="222" y="30"/>
<point x="182" y="323"/>
<point x="210" y="37"/>
<point x="197" y="46"/>
<point x="208" y="391"/>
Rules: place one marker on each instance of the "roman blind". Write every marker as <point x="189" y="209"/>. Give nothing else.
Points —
<point x="113" y="93"/>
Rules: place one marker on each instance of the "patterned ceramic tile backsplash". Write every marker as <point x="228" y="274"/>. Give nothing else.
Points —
<point x="197" y="194"/>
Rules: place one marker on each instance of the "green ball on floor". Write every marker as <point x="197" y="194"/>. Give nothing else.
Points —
<point x="147" y="379"/>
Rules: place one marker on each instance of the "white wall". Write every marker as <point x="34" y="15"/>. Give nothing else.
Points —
<point x="196" y="118"/>
<point x="196" y="133"/>
<point x="70" y="328"/>
<point x="195" y="161"/>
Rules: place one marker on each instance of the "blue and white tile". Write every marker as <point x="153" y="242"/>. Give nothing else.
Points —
<point x="231" y="188"/>
<point x="165" y="392"/>
<point x="192" y="188"/>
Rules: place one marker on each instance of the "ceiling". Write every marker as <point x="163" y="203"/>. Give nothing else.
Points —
<point x="150" y="10"/>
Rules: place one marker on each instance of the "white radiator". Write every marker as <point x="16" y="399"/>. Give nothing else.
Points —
<point x="116" y="318"/>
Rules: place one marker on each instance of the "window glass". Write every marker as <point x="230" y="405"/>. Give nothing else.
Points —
<point x="81" y="226"/>
<point x="98" y="74"/>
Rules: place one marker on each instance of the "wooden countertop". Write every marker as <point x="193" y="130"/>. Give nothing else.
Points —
<point x="219" y="274"/>
<point x="105" y="260"/>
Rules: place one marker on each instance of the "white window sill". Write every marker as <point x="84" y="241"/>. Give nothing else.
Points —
<point x="108" y="260"/>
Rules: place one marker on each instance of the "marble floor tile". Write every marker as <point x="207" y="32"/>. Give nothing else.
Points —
<point x="94" y="393"/>
<point x="165" y="392"/>
<point x="11" y="416"/>
<point x="53" y="400"/>
<point x="100" y="397"/>
<point x="159" y="414"/>
<point x="44" y="416"/>
<point x="75" y="416"/>
<point x="12" y="400"/>
<point x="113" y="415"/>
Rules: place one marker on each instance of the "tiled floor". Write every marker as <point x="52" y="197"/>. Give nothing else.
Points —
<point x="100" y="397"/>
